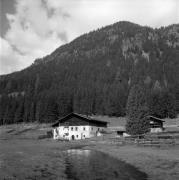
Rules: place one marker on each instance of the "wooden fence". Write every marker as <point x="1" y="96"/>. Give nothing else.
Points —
<point x="148" y="140"/>
<point x="155" y="140"/>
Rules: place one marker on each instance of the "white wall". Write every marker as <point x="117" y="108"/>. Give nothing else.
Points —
<point x="156" y="130"/>
<point x="79" y="132"/>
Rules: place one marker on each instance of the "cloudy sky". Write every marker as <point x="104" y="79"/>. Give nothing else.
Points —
<point x="30" y="29"/>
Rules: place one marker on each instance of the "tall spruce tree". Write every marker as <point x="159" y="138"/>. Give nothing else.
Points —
<point x="18" y="117"/>
<point x="162" y="104"/>
<point x="137" y="111"/>
<point x="37" y="111"/>
<point x="32" y="113"/>
<point x="169" y="105"/>
<point x="10" y="111"/>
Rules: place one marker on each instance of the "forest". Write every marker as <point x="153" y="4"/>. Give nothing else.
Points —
<point x="94" y="74"/>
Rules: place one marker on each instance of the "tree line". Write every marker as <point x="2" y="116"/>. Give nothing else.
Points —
<point x="140" y="105"/>
<point x="50" y="105"/>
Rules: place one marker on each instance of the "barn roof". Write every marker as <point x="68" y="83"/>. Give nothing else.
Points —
<point x="83" y="117"/>
<point x="155" y="118"/>
<point x="117" y="128"/>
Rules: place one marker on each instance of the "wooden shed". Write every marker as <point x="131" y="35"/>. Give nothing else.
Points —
<point x="156" y="124"/>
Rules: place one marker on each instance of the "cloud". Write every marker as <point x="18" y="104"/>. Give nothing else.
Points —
<point x="11" y="60"/>
<point x="33" y="33"/>
<point x="40" y="26"/>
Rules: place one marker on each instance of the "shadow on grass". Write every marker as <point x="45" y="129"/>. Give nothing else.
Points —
<point x="10" y="131"/>
<point x="23" y="131"/>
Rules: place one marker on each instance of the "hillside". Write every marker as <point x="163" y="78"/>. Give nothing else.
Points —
<point x="93" y="74"/>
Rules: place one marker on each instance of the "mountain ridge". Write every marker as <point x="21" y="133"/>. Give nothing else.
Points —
<point x="39" y="60"/>
<point x="94" y="72"/>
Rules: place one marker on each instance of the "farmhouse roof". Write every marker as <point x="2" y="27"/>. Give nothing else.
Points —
<point x="155" y="118"/>
<point x="83" y="117"/>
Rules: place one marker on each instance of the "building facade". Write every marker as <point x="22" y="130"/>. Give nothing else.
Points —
<point x="156" y="124"/>
<point x="75" y="126"/>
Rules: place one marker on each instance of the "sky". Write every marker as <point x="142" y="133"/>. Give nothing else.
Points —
<point x="31" y="29"/>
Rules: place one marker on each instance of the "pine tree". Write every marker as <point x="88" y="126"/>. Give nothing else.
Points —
<point x="65" y="103"/>
<point x="168" y="102"/>
<point x="162" y="104"/>
<point x="32" y="113"/>
<point x="137" y="112"/>
<point x="116" y="100"/>
<point x="26" y="110"/>
<point x="37" y="111"/>
<point x="4" y="100"/>
<point x="51" y="113"/>
<point x="18" y="117"/>
<point x="10" y="111"/>
<point x="155" y="105"/>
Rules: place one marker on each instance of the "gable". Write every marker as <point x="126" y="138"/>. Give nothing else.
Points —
<point x="155" y="119"/>
<point x="74" y="119"/>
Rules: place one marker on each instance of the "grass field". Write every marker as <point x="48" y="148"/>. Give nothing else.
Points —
<point x="24" y="156"/>
<point x="121" y="121"/>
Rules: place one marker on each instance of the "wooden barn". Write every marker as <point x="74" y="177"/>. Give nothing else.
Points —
<point x="156" y="124"/>
<point x="75" y="126"/>
<point x="119" y="131"/>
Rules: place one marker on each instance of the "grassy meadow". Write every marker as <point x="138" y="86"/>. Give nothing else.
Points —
<point x="24" y="154"/>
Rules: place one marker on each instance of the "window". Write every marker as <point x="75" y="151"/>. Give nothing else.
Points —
<point x="84" y="128"/>
<point x="91" y="128"/>
<point x="56" y="130"/>
<point x="76" y="128"/>
<point x="77" y="136"/>
<point x="71" y="128"/>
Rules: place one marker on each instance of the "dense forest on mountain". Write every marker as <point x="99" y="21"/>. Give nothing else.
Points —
<point x="94" y="73"/>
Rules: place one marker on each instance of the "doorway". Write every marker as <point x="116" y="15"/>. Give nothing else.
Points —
<point x="73" y="137"/>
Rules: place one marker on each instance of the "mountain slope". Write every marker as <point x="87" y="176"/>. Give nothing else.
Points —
<point x="93" y="73"/>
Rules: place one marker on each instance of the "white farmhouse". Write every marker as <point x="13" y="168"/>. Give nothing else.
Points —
<point x="75" y="126"/>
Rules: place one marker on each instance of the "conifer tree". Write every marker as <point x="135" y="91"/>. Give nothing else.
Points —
<point x="137" y="111"/>
<point x="169" y="107"/>
<point x="32" y="113"/>
<point x="18" y="117"/>
<point x="162" y="104"/>
<point x="10" y="112"/>
<point x="37" y="111"/>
